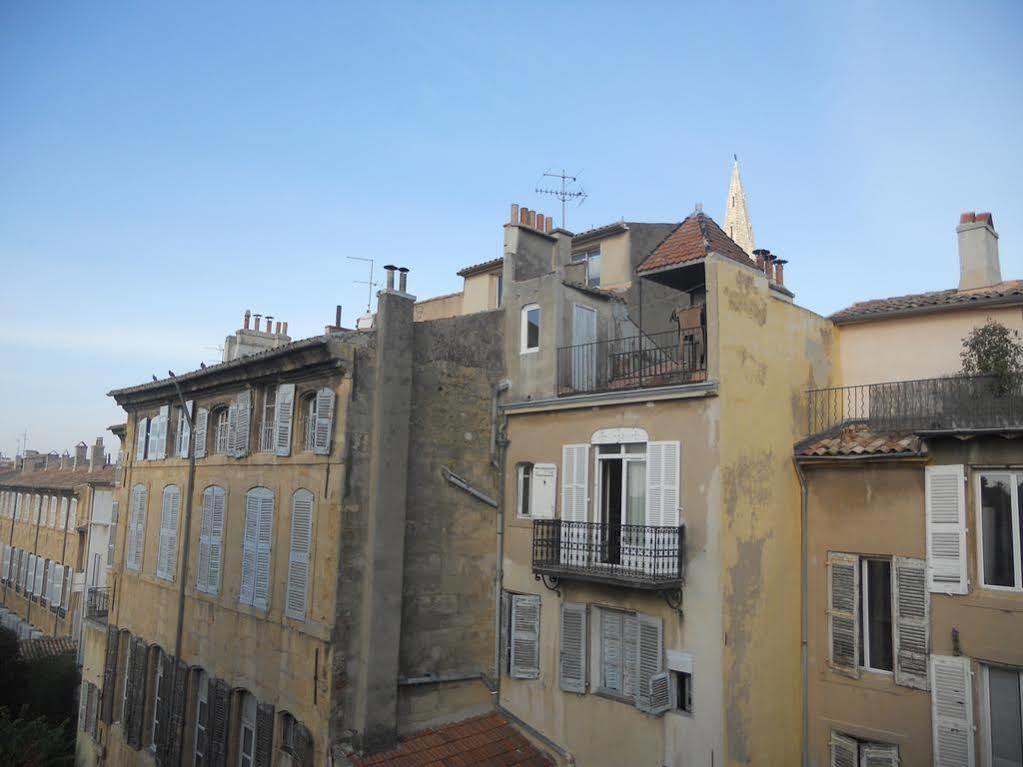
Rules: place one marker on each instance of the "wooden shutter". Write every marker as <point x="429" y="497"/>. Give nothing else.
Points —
<point x="911" y="619"/>
<point x="630" y="654"/>
<point x="284" y="411"/>
<point x="141" y="428"/>
<point x="30" y="584"/>
<point x="202" y="419"/>
<point x="660" y="693"/>
<point x="135" y="702"/>
<point x="952" y="711"/>
<point x="505" y="648"/>
<point x="573" y="647"/>
<point x="525" y="639"/>
<point x="167" y="561"/>
<point x="261" y="589"/>
<point x="210" y="537"/>
<point x="56" y="584"/>
<point x="264" y="734"/>
<point x="302" y="755"/>
<point x="324" y="421"/>
<point x="240" y="433"/>
<point x="218" y="717"/>
<point x="543" y="491"/>
<point x="160" y="736"/>
<point x="844" y="751"/>
<point x="184" y="430"/>
<point x="109" y="675"/>
<point x="575" y="464"/>
<point x="298" y="558"/>
<point x="177" y="693"/>
<point x="648" y="659"/>
<point x="249" y="538"/>
<point x="612" y="647"/>
<point x="945" y="500"/>
<point x="844" y="611"/>
<point x="662" y="484"/>
<point x="202" y="579"/>
<point x="136" y="528"/>
<point x="879" y="755"/>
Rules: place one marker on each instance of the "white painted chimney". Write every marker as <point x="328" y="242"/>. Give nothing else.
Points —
<point x="978" y="251"/>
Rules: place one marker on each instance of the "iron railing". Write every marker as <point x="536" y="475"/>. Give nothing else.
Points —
<point x="954" y="404"/>
<point x="643" y="556"/>
<point x="97" y="603"/>
<point x="657" y="359"/>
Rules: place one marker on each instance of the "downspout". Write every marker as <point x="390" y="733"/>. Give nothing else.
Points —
<point x="498" y="444"/>
<point x="803" y="611"/>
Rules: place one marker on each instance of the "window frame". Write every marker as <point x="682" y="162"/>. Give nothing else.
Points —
<point x="245" y="720"/>
<point x="157" y="697"/>
<point x="1015" y="479"/>
<point x="202" y="701"/>
<point x="987" y="744"/>
<point x="864" y="635"/>
<point x="219" y="415"/>
<point x="589" y="256"/>
<point x="524" y="347"/>
<point x="523" y="480"/>
<point x="268" y="425"/>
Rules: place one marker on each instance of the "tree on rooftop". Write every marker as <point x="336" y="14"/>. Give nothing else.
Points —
<point x="996" y="351"/>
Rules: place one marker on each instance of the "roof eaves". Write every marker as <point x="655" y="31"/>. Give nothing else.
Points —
<point x="848" y="316"/>
<point x="485" y="266"/>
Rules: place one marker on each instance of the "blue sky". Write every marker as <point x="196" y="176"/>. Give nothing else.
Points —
<point x="165" y="166"/>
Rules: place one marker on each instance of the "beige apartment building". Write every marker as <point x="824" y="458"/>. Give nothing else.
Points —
<point x="48" y="505"/>
<point x="912" y="479"/>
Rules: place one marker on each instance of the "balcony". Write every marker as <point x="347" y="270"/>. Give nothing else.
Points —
<point x="658" y="359"/>
<point x="638" y="556"/>
<point x="97" y="603"/>
<point x="959" y="404"/>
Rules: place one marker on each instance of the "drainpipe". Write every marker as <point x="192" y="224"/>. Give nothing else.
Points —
<point x="498" y="453"/>
<point x="804" y="658"/>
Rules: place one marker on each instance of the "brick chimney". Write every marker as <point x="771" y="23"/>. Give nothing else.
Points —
<point x="978" y="251"/>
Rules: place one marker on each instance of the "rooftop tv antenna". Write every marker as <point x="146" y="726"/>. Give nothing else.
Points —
<point x="563" y="193"/>
<point x="370" y="284"/>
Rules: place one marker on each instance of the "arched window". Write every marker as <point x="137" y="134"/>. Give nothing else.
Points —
<point x="220" y="430"/>
<point x="210" y="539"/>
<point x="309" y="421"/>
<point x="160" y="691"/>
<point x="136" y="527"/>
<point x="256" y="543"/>
<point x="318" y="420"/>
<point x="298" y="558"/>
<point x="247" y="731"/>
<point x="287" y="733"/>
<point x="202" y="697"/>
<point x="167" y="559"/>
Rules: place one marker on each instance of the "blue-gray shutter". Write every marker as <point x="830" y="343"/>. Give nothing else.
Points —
<point x="573" y="648"/>
<point x="324" y="425"/>
<point x="284" y="410"/>
<point x="525" y="638"/>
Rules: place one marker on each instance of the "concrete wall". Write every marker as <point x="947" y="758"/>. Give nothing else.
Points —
<point x="769" y="352"/>
<point x="439" y="307"/>
<point x="480" y="291"/>
<point x="907" y="348"/>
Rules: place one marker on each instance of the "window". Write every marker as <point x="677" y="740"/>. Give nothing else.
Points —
<point x="298" y="558"/>
<point x="524" y="636"/>
<point x="220" y="431"/>
<point x="266" y="429"/>
<point x="629" y="659"/>
<point x="112" y="532"/>
<point x="141" y="438"/>
<point x="850" y="752"/>
<point x="247" y="733"/>
<point x="210" y="539"/>
<point x="319" y="421"/>
<point x="683" y="682"/>
<point x="500" y="290"/>
<point x="287" y="733"/>
<point x="1001" y="531"/>
<point x="309" y="410"/>
<point x="876" y="614"/>
<point x="158" y="693"/>
<point x="621" y="500"/>
<point x="183" y="434"/>
<point x="167" y="557"/>
<point x="524" y="483"/>
<point x="1004" y="713"/>
<point x="592" y="259"/>
<point x="530" y="331"/>
<point x="258" y="536"/>
<point x="201" y="718"/>
<point x="136" y="527"/>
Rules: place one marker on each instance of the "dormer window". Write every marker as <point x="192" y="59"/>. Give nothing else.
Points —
<point x="530" y="328"/>
<point x="592" y="259"/>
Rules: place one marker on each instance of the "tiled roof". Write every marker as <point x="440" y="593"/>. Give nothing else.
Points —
<point x="486" y="266"/>
<point x="57" y="479"/>
<point x="594" y="291"/>
<point x="692" y="240"/>
<point x="46" y="647"/>
<point x="1010" y="291"/>
<point x="482" y="741"/>
<point x="854" y="440"/>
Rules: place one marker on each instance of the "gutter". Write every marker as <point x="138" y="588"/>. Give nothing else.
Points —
<point x="859" y="319"/>
<point x="803" y="631"/>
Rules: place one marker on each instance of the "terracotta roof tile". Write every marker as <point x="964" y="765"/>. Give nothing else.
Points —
<point x="57" y="479"/>
<point x="485" y="266"/>
<point x="482" y="741"/>
<point x="1010" y="291"/>
<point x="46" y="647"/>
<point x="858" y="439"/>
<point x="692" y="240"/>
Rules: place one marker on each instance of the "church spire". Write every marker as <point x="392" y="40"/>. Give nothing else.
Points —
<point x="737" y="223"/>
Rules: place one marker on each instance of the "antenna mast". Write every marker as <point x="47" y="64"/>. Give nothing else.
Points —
<point x="370" y="284"/>
<point x="563" y="193"/>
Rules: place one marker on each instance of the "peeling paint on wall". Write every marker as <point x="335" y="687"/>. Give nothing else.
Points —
<point x="745" y="299"/>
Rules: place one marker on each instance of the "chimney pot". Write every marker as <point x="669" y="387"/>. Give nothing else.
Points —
<point x="285" y="329"/>
<point x="524" y="216"/>
<point x="402" y="272"/>
<point x="269" y="322"/>
<point x="248" y="316"/>
<point x="540" y="218"/>
<point x="979" y="265"/>
<point x="277" y="328"/>
<point x="532" y="219"/>
<point x="255" y="324"/>
<point x="389" y="268"/>
<point x="779" y="271"/>
<point x="514" y="213"/>
<point x="967" y="218"/>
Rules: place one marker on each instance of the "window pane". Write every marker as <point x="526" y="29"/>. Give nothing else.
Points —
<point x="879" y="620"/>
<point x="593" y="270"/>
<point x="533" y="329"/>
<point x="996" y="523"/>
<point x="527" y="477"/>
<point x="1006" y="738"/>
<point x="635" y="511"/>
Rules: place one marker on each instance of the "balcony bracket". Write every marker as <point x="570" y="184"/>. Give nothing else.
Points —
<point x="674" y="599"/>
<point x="552" y="582"/>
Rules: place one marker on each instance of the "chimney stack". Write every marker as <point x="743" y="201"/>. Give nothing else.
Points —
<point x="269" y="323"/>
<point x="98" y="459"/>
<point x="779" y="272"/>
<point x="402" y="280"/>
<point x="389" y="268"/>
<point x="81" y="451"/>
<point x="978" y="251"/>
<point x="245" y="323"/>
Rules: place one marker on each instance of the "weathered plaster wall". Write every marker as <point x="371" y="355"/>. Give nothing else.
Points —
<point x="770" y="351"/>
<point x="438" y="308"/>
<point x="480" y="291"/>
<point x="595" y="729"/>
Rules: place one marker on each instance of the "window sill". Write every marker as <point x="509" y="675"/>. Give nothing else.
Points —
<point x="529" y="351"/>
<point x="609" y="695"/>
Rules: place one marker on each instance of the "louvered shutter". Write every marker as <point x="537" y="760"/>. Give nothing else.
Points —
<point x="952" y="711"/>
<point x="324" y="421"/>
<point x="543" y="491"/>
<point x="177" y="694"/>
<point x="30" y="585"/>
<point x="167" y="561"/>
<point x="844" y="612"/>
<point x="261" y="590"/>
<point x="879" y="755"/>
<point x="264" y="734"/>
<point x="202" y="418"/>
<point x="505" y="648"/>
<point x="6" y="562"/>
<point x="630" y="654"/>
<point x="109" y="675"/>
<point x="73" y="514"/>
<point x="160" y="736"/>
<point x="141" y="428"/>
<point x="202" y="581"/>
<point x="843" y="751"/>
<point x="912" y="602"/>
<point x="574" y="471"/>
<point x="302" y="755"/>
<point x="136" y="528"/>
<point x="56" y="584"/>
<point x="662" y="483"/>
<point x="612" y="648"/>
<point x="946" y="529"/>
<point x="284" y="410"/>
<point x="243" y="413"/>
<point x="649" y="655"/>
<point x="216" y="541"/>
<point x="573" y="647"/>
<point x="63" y="513"/>
<point x="249" y="540"/>
<point x="298" y="558"/>
<point x="184" y="430"/>
<point x="660" y="693"/>
<point x="232" y="429"/>
<point x="164" y="430"/>
<point x="135" y="702"/>
<point x="525" y="639"/>
<point x="219" y="717"/>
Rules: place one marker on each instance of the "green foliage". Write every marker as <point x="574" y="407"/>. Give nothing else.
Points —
<point x="996" y="351"/>
<point x="34" y="742"/>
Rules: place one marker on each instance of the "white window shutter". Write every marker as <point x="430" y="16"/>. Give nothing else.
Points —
<point x="649" y="656"/>
<point x="243" y="418"/>
<point x="202" y="418"/>
<point x="946" y="529"/>
<point x="31" y="581"/>
<point x="543" y="491"/>
<point x="136" y="528"/>
<point x="660" y="693"/>
<point x="879" y="755"/>
<point x="73" y="514"/>
<point x="232" y="429"/>
<point x="952" y="711"/>
<point x="844" y="751"/>
<point x="662" y="483"/>
<point x="202" y="580"/>
<point x="298" y="557"/>
<point x="525" y="639"/>
<point x="164" y="422"/>
<point x="611" y="650"/>
<point x="250" y="536"/>
<point x="575" y="464"/>
<point x="167" y="560"/>
<point x="141" y="428"/>
<point x="216" y="541"/>
<point x="324" y="421"/>
<point x="573" y="648"/>
<point x="37" y="586"/>
<point x="630" y="654"/>
<point x="58" y="584"/>
<point x="844" y="612"/>
<point x="184" y="430"/>
<point x="261" y="590"/>
<point x="284" y="410"/>
<point x="912" y="618"/>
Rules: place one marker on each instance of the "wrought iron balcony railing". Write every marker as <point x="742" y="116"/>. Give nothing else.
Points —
<point x="641" y="556"/>
<point x="658" y="359"/>
<point x="930" y="405"/>
<point x="97" y="603"/>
